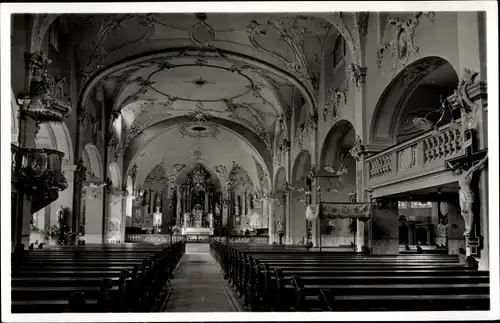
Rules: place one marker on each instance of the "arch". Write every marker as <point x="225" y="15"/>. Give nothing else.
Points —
<point x="40" y="26"/>
<point x="301" y="166"/>
<point x="93" y="80"/>
<point x="115" y="174"/>
<point x="279" y="179"/>
<point x="397" y="93"/>
<point x="62" y="140"/>
<point x="336" y="134"/>
<point x="14" y="127"/>
<point x="129" y="202"/>
<point x="94" y="160"/>
<point x="352" y="39"/>
<point x="134" y="148"/>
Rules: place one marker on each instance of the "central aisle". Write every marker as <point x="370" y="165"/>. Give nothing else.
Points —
<point x="198" y="285"/>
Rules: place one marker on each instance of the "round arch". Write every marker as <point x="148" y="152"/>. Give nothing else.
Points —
<point x="330" y="149"/>
<point x="301" y="166"/>
<point x="40" y="27"/>
<point x="94" y="160"/>
<point x="115" y="174"/>
<point x="279" y="179"/>
<point x="87" y="87"/>
<point x="62" y="140"/>
<point x="428" y="71"/>
<point x="14" y="110"/>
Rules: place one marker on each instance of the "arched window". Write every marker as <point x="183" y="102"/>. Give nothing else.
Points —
<point x="339" y="50"/>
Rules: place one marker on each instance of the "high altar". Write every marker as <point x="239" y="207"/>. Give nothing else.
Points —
<point x="199" y="198"/>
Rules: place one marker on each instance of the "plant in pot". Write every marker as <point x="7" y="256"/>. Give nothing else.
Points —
<point x="49" y="234"/>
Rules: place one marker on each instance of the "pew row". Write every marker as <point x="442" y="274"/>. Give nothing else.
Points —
<point x="93" y="278"/>
<point x="288" y="279"/>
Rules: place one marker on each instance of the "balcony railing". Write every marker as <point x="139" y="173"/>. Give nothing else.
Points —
<point x="421" y="154"/>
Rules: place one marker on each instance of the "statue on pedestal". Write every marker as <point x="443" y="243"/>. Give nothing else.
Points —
<point x="210" y="221"/>
<point x="157" y="217"/>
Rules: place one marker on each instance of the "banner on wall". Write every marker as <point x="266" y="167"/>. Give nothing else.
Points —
<point x="360" y="211"/>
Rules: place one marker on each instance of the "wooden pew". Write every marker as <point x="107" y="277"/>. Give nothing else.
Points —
<point x="136" y="283"/>
<point x="304" y="281"/>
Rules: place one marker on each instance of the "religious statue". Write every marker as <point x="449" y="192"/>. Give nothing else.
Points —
<point x="158" y="202"/>
<point x="210" y="220"/>
<point x="237" y="206"/>
<point x="157" y="218"/>
<point x="279" y="226"/>
<point x="466" y="194"/>
<point x="145" y="198"/>
<point x="186" y="220"/>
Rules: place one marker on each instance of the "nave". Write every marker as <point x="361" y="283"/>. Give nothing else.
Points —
<point x="220" y="277"/>
<point x="250" y="162"/>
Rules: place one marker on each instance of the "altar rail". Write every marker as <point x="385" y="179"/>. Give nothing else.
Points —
<point x="420" y="155"/>
<point x="260" y="239"/>
<point x="152" y="238"/>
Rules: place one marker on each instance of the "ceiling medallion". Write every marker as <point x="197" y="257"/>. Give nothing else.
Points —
<point x="200" y="82"/>
<point x="207" y="130"/>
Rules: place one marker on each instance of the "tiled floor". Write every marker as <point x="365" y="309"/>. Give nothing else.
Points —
<point x="198" y="285"/>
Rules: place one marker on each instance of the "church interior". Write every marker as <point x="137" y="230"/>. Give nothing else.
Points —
<point x="231" y="162"/>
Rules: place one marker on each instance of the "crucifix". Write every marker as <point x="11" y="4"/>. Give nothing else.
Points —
<point x="466" y="166"/>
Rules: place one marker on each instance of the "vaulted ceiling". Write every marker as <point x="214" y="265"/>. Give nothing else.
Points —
<point x="216" y="75"/>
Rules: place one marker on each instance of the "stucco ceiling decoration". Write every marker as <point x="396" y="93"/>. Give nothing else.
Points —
<point x="239" y="176"/>
<point x="261" y="173"/>
<point x="179" y="83"/>
<point x="157" y="174"/>
<point x="198" y="125"/>
<point x="291" y="42"/>
<point x="235" y="91"/>
<point x="402" y="43"/>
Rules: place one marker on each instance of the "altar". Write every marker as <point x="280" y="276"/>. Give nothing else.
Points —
<point x="197" y="222"/>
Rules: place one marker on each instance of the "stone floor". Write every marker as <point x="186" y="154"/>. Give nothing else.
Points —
<point x="198" y="285"/>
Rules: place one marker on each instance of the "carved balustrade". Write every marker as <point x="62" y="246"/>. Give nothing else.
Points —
<point x="420" y="155"/>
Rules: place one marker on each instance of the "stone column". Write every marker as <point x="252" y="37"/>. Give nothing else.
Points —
<point x="21" y="219"/>
<point x="385" y="229"/>
<point x="456" y="228"/>
<point x="178" y="212"/>
<point x="271" y="225"/>
<point x="112" y="223"/>
<point x="225" y="215"/>
<point x="66" y="197"/>
<point x="93" y="214"/>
